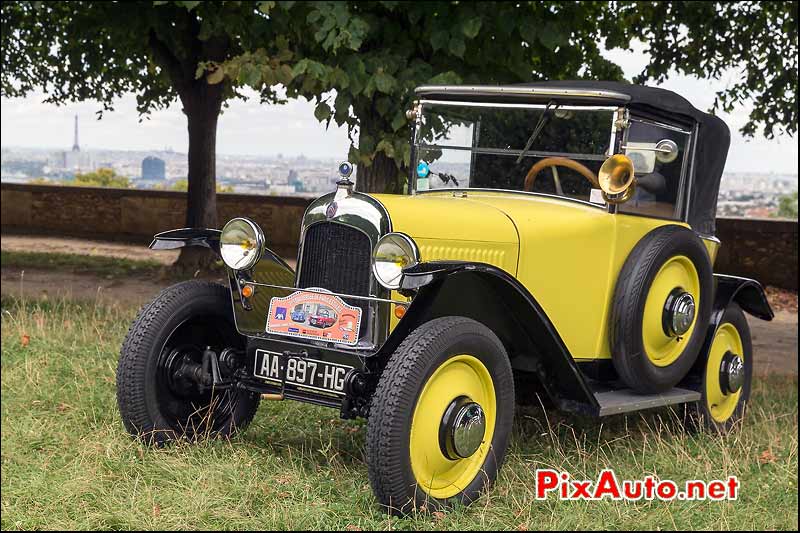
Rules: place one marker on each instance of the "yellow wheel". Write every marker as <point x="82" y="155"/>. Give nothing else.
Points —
<point x="441" y="416"/>
<point x="727" y="375"/>
<point x="665" y="332"/>
<point x="662" y="303"/>
<point x="457" y="405"/>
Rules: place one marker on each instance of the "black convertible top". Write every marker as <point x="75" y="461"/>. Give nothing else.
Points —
<point x="712" y="140"/>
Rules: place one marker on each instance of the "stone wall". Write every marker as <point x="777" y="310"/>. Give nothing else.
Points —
<point x="763" y="249"/>
<point x="132" y="215"/>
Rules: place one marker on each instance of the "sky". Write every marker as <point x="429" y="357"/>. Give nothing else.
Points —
<point x="250" y="128"/>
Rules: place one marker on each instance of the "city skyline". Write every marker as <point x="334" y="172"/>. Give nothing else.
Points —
<point x="749" y="194"/>
<point x="248" y="128"/>
<point x="781" y="152"/>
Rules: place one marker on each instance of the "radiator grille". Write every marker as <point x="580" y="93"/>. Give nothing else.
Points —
<point x="337" y="257"/>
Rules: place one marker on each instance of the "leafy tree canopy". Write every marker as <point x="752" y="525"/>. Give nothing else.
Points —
<point x="76" y="51"/>
<point x="373" y="54"/>
<point x="360" y="61"/>
<point x="706" y="39"/>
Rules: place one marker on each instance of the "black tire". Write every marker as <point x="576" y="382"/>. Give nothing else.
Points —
<point x="406" y="373"/>
<point x="628" y="353"/>
<point x="698" y="416"/>
<point x="155" y="408"/>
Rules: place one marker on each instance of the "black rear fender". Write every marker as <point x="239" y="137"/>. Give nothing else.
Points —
<point x="746" y="293"/>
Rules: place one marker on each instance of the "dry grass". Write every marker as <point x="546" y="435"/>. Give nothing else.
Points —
<point x="67" y="462"/>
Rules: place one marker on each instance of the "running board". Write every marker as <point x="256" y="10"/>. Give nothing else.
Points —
<point x="614" y="402"/>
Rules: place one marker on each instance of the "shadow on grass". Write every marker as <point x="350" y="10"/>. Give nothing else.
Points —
<point x="104" y="266"/>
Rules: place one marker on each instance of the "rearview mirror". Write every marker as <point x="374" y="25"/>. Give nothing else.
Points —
<point x="666" y="151"/>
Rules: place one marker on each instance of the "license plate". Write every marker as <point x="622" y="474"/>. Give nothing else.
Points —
<point x="314" y="314"/>
<point x="302" y="373"/>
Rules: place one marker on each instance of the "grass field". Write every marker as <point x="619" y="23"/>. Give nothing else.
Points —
<point x="67" y="462"/>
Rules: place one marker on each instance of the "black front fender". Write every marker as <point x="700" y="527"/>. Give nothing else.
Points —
<point x="495" y="298"/>
<point x="180" y="238"/>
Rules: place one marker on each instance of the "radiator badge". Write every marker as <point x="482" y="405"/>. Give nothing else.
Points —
<point x="314" y="314"/>
<point x="330" y="212"/>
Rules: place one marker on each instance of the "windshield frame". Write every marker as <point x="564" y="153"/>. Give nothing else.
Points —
<point x="615" y="140"/>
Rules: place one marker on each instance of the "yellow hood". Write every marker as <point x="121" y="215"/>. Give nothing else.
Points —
<point x="498" y="228"/>
<point x="454" y="228"/>
<point x="448" y="218"/>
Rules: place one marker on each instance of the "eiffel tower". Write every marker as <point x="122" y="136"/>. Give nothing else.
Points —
<point x="75" y="146"/>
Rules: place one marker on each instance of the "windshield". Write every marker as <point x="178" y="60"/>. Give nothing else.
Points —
<point x="512" y="148"/>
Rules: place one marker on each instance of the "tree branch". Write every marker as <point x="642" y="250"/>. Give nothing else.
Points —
<point x="168" y="61"/>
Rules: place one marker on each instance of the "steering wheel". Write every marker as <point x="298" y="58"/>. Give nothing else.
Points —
<point x="563" y="162"/>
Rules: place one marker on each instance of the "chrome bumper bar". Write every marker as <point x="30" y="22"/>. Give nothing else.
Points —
<point x="339" y="294"/>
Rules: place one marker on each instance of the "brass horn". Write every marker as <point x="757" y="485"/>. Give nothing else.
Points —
<point x="616" y="178"/>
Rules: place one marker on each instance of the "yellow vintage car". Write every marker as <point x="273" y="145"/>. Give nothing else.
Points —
<point x="556" y="244"/>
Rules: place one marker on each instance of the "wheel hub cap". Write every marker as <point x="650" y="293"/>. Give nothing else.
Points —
<point x="731" y="373"/>
<point x="679" y="311"/>
<point x="463" y="428"/>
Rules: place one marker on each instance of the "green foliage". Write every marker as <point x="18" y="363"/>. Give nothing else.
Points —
<point x="787" y="206"/>
<point x="183" y="185"/>
<point x="102" y="177"/>
<point x="705" y="39"/>
<point x="75" y="51"/>
<point x="360" y="61"/>
<point x="374" y="54"/>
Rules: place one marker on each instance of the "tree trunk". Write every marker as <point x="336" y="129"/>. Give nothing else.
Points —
<point x="201" y="104"/>
<point x="382" y="176"/>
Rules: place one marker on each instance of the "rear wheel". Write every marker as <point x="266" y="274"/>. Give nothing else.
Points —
<point x="158" y="392"/>
<point x="660" y="311"/>
<point x="727" y="376"/>
<point x="441" y="416"/>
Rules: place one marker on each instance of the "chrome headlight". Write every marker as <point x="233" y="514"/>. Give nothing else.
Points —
<point x="393" y="253"/>
<point x="241" y="243"/>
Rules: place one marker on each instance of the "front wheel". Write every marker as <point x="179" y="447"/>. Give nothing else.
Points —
<point x="441" y="416"/>
<point x="157" y="397"/>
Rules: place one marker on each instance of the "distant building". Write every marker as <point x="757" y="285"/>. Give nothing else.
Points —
<point x="293" y="180"/>
<point x="153" y="168"/>
<point x="76" y="161"/>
